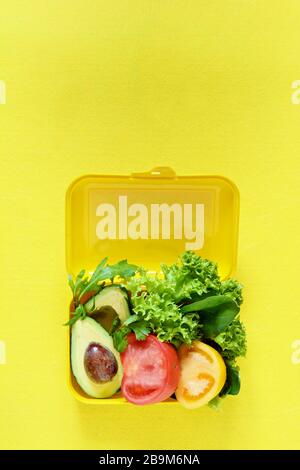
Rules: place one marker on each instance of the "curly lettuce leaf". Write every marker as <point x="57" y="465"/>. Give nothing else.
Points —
<point x="232" y="289"/>
<point x="192" y="276"/>
<point x="233" y="340"/>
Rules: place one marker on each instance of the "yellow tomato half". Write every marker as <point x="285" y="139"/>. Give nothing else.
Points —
<point x="202" y="376"/>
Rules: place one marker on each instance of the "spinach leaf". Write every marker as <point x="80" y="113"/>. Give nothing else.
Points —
<point x="216" y="313"/>
<point x="233" y="384"/>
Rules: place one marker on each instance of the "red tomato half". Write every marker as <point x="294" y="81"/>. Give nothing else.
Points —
<point x="151" y="370"/>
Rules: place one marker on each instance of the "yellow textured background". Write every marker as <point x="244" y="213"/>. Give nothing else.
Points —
<point x="121" y="86"/>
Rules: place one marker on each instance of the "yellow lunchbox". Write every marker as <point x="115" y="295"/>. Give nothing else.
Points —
<point x="149" y="218"/>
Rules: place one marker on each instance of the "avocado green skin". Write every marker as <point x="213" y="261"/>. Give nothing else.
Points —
<point x="111" y="296"/>
<point x="83" y="333"/>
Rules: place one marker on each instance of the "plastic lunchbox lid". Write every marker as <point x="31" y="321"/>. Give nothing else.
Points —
<point x="151" y="218"/>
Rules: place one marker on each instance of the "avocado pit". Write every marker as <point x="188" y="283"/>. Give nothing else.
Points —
<point x="100" y="363"/>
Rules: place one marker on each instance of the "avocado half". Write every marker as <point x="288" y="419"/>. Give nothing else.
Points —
<point x="86" y="333"/>
<point x="111" y="301"/>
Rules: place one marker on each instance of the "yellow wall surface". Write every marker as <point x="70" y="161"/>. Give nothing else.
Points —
<point x="205" y="87"/>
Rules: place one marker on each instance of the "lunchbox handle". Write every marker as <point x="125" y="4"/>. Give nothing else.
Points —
<point x="157" y="172"/>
